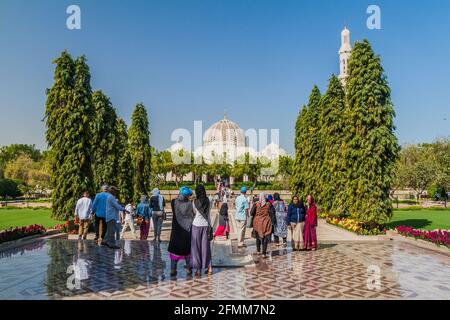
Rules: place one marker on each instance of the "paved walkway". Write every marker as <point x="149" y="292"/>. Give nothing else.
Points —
<point x="346" y="266"/>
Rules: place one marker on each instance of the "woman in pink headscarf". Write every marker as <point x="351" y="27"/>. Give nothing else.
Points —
<point x="309" y="233"/>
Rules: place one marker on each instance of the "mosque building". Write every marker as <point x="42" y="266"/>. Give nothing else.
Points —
<point x="225" y="141"/>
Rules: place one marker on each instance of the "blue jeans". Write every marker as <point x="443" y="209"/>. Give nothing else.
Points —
<point x="157" y="225"/>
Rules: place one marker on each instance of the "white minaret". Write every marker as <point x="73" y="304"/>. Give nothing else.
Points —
<point x="344" y="54"/>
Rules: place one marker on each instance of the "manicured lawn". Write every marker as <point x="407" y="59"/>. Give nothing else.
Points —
<point x="25" y="217"/>
<point x="428" y="219"/>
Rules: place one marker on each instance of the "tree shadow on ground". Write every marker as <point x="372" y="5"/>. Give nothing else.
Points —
<point x="415" y="223"/>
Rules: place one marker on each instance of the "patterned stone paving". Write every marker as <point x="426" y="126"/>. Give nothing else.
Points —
<point x="70" y="269"/>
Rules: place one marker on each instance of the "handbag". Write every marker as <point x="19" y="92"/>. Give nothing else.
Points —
<point x="139" y="220"/>
<point x="158" y="214"/>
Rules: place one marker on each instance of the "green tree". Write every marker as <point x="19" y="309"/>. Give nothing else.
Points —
<point x="139" y="146"/>
<point x="308" y="154"/>
<point x="124" y="162"/>
<point x="162" y="164"/>
<point x="417" y="168"/>
<point x="34" y="174"/>
<point x="104" y="164"/>
<point x="69" y="113"/>
<point x="369" y="149"/>
<point x="13" y="151"/>
<point x="331" y="176"/>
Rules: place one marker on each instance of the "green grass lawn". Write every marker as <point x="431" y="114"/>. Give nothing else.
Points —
<point x="428" y="219"/>
<point x="25" y="217"/>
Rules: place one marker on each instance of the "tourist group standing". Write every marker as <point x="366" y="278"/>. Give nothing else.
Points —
<point x="268" y="215"/>
<point x="271" y="217"/>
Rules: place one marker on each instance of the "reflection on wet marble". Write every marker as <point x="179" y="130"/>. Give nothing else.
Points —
<point x="60" y="269"/>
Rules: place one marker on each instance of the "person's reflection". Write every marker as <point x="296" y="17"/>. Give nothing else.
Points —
<point x="142" y="264"/>
<point x="158" y="264"/>
<point x="80" y="262"/>
<point x="127" y="247"/>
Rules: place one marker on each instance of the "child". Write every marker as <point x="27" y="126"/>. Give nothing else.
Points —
<point x="128" y="221"/>
<point x="309" y="234"/>
<point x="224" y="226"/>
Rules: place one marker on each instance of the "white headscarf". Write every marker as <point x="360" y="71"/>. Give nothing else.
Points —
<point x="262" y="199"/>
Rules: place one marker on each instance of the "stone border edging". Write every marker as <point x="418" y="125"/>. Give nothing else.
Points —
<point x="418" y="242"/>
<point x="19" y="242"/>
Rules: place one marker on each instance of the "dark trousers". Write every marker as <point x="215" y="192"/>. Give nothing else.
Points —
<point x="110" y="237"/>
<point x="174" y="263"/>
<point x="277" y="239"/>
<point x="98" y="221"/>
<point x="264" y="241"/>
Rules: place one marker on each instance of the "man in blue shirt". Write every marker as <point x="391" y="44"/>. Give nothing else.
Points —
<point x="99" y="209"/>
<point x="112" y="215"/>
<point x="242" y="207"/>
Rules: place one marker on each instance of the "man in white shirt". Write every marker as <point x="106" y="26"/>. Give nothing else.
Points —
<point x="83" y="213"/>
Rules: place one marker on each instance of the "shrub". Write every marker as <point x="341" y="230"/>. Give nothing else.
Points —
<point x="20" y="232"/>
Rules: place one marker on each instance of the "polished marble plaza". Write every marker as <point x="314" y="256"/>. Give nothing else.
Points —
<point x="60" y="269"/>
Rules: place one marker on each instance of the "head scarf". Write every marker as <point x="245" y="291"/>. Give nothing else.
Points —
<point x="276" y="197"/>
<point x="313" y="202"/>
<point x="155" y="192"/>
<point x="185" y="191"/>
<point x="201" y="201"/>
<point x="183" y="210"/>
<point x="262" y="199"/>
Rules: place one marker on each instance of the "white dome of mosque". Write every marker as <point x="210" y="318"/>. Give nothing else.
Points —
<point x="224" y="133"/>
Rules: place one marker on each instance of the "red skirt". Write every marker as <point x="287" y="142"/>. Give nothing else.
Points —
<point x="310" y="236"/>
<point x="145" y="227"/>
<point x="221" y="230"/>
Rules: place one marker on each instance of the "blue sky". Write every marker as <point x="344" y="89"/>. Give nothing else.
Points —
<point x="189" y="60"/>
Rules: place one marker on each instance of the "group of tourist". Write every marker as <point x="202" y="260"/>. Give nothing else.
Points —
<point x="269" y="216"/>
<point x="192" y="231"/>
<point x="111" y="219"/>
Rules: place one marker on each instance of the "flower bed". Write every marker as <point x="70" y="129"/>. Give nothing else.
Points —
<point x="355" y="226"/>
<point x="69" y="227"/>
<point x="21" y="232"/>
<point x="438" y="237"/>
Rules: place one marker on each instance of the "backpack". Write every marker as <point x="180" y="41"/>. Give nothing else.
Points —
<point x="154" y="202"/>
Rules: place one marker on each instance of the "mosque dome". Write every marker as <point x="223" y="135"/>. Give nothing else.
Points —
<point x="224" y="133"/>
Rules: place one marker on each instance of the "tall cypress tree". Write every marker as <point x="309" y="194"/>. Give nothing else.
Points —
<point x="124" y="165"/>
<point x="297" y="180"/>
<point x="331" y="174"/>
<point x="69" y="113"/>
<point x="139" y="144"/>
<point x="370" y="147"/>
<point x="104" y="163"/>
<point x="304" y="180"/>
